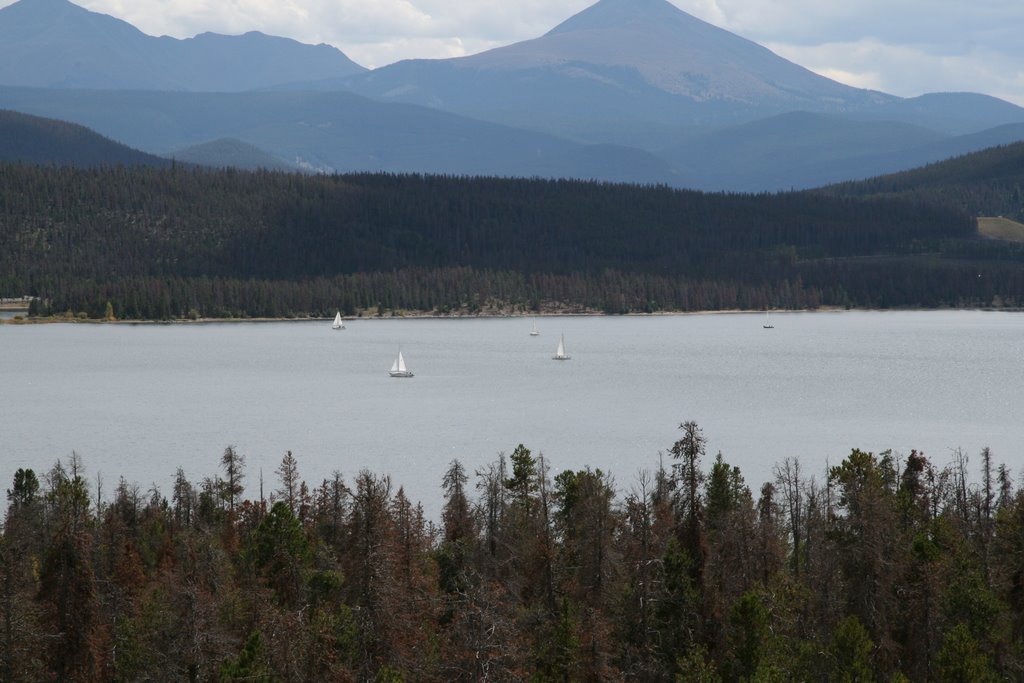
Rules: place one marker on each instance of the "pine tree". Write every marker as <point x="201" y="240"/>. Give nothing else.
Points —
<point x="233" y="464"/>
<point x="288" y="472"/>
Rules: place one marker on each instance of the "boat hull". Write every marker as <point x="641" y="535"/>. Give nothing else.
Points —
<point x="400" y="373"/>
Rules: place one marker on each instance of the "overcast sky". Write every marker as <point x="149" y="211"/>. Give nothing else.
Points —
<point x="903" y="47"/>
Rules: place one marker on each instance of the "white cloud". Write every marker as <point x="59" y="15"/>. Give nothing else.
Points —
<point x="372" y="32"/>
<point x="897" y="22"/>
<point x="909" y="71"/>
<point x="380" y="53"/>
<point x="299" y="19"/>
<point x="904" y="47"/>
<point x="901" y="46"/>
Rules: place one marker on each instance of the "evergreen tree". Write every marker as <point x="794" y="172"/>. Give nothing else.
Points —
<point x="962" y="661"/>
<point x="282" y="554"/>
<point x="233" y="464"/>
<point x="288" y="472"/>
<point x="250" y="666"/>
<point x="851" y="653"/>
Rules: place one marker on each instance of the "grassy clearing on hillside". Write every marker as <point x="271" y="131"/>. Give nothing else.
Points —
<point x="1001" y="229"/>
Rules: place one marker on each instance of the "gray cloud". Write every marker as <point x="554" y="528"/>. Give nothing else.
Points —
<point x="905" y="47"/>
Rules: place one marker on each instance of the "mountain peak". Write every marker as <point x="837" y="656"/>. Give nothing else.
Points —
<point x="42" y="5"/>
<point x="59" y="21"/>
<point x="655" y="44"/>
<point x="608" y="14"/>
<point x="37" y="11"/>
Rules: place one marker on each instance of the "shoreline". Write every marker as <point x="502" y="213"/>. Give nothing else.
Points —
<point x="412" y="315"/>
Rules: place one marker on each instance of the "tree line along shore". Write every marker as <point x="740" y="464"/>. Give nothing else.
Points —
<point x="180" y="243"/>
<point x="884" y="567"/>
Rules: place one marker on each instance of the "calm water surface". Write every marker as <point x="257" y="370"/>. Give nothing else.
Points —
<point x="141" y="400"/>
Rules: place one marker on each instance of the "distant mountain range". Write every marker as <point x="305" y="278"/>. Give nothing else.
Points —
<point x="801" y="150"/>
<point x="338" y="132"/>
<point x="57" y="44"/>
<point x="627" y="90"/>
<point x="618" y="63"/>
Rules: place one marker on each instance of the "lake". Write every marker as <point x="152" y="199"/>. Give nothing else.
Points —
<point x="141" y="400"/>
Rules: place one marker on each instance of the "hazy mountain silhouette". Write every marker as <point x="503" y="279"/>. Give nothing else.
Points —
<point x="795" y="150"/>
<point x="57" y="44"/>
<point x="626" y="90"/>
<point x="338" y="132"/>
<point x="231" y="153"/>
<point x="630" y="61"/>
<point x="956" y="113"/>
<point x="729" y="112"/>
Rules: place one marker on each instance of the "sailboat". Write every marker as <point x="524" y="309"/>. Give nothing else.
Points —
<point x="534" y="332"/>
<point x="398" y="368"/>
<point x="767" y="322"/>
<point x="339" y="324"/>
<point x="560" y="354"/>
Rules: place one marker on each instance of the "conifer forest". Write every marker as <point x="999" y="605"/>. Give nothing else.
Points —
<point x="181" y="242"/>
<point x="882" y="567"/>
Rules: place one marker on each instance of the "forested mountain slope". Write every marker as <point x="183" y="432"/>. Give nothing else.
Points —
<point x="986" y="183"/>
<point x="177" y="242"/>
<point x="34" y="140"/>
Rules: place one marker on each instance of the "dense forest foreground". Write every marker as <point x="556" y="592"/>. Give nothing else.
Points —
<point x="179" y="243"/>
<point x="885" y="567"/>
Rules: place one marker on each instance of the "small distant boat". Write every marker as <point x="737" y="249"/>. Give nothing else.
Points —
<point x="398" y="368"/>
<point x="534" y="332"/>
<point x="767" y="322"/>
<point x="339" y="324"/>
<point x="560" y="354"/>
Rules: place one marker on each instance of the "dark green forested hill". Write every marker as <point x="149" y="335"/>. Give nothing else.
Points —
<point x="35" y="140"/>
<point x="990" y="182"/>
<point x="164" y="243"/>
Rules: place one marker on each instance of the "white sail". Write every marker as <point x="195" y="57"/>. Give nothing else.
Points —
<point x="398" y="368"/>
<point x="533" y="330"/>
<point x="560" y="354"/>
<point x="339" y="324"/>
